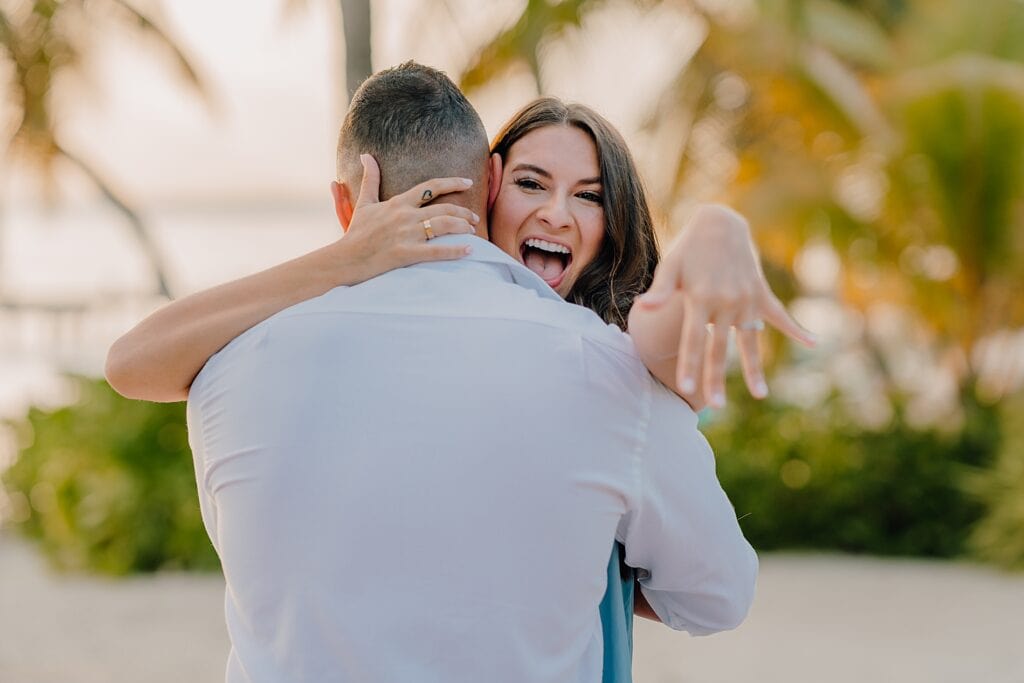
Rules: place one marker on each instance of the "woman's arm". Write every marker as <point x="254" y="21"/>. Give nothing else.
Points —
<point x="641" y="607"/>
<point x="710" y="275"/>
<point x="158" y="359"/>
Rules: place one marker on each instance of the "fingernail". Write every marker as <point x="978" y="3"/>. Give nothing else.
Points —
<point x="687" y="386"/>
<point x="476" y="218"/>
<point x="760" y="389"/>
<point x="467" y="182"/>
<point x="473" y="228"/>
<point x="718" y="400"/>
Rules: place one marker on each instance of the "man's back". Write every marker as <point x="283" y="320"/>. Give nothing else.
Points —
<point x="420" y="478"/>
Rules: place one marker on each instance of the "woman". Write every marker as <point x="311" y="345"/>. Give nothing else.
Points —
<point x="564" y="165"/>
<point x="568" y="203"/>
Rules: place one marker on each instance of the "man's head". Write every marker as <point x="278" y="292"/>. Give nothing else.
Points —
<point x="418" y="125"/>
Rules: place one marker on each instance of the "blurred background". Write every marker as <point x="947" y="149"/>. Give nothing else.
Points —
<point x="150" y="149"/>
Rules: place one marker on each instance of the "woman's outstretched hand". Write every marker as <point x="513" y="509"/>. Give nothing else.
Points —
<point x="395" y="233"/>
<point x="711" y="278"/>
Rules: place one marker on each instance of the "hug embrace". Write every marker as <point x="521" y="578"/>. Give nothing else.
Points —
<point x="460" y="442"/>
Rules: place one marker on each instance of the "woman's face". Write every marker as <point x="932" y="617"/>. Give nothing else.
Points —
<point x="548" y="211"/>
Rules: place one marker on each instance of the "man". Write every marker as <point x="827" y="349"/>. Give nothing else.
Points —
<point x="420" y="478"/>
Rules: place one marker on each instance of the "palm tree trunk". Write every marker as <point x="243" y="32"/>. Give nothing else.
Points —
<point x="358" y="49"/>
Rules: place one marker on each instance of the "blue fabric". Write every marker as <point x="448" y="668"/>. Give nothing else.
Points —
<point x="617" y="620"/>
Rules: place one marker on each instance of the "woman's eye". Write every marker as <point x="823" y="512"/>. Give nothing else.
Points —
<point x="528" y="184"/>
<point x="590" y="197"/>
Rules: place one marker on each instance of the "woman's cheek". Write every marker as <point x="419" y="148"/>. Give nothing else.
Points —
<point x="594" y="237"/>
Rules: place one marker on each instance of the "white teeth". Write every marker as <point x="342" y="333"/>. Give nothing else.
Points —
<point x="547" y="246"/>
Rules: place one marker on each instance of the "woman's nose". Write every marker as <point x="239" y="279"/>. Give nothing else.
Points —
<point x="555" y="212"/>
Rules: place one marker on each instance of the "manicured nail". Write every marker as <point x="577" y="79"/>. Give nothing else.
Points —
<point x="467" y="182"/>
<point x="760" y="389"/>
<point x="476" y="219"/>
<point x="718" y="400"/>
<point x="687" y="386"/>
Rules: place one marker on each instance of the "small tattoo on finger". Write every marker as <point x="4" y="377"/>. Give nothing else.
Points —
<point x="427" y="195"/>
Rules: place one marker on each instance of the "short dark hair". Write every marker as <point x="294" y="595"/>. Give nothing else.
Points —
<point x="417" y="124"/>
<point x="624" y="266"/>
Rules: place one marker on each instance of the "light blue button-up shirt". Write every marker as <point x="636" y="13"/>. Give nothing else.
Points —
<point x="419" y="479"/>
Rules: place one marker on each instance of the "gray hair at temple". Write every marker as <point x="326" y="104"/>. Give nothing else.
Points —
<point x="418" y="125"/>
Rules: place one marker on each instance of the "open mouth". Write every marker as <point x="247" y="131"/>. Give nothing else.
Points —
<point x="549" y="260"/>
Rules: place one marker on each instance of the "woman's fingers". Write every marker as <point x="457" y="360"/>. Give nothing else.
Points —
<point x="445" y="225"/>
<point x="424" y="250"/>
<point x="747" y="341"/>
<point x="428" y="191"/>
<point x="714" y="367"/>
<point x="778" y="317"/>
<point x="369" y="189"/>
<point x="691" y="351"/>
<point x="454" y="210"/>
<point x="444" y="252"/>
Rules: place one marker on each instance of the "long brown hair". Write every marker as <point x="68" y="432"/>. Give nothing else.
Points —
<point x="624" y="265"/>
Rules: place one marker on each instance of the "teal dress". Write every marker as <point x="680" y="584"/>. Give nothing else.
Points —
<point x="617" y="620"/>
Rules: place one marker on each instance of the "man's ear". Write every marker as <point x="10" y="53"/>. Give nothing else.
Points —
<point x="494" y="169"/>
<point x="343" y="204"/>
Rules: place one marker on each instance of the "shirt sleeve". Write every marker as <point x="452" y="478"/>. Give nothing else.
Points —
<point x="695" y="568"/>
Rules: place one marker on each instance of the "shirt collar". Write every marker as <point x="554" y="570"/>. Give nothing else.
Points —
<point x="485" y="252"/>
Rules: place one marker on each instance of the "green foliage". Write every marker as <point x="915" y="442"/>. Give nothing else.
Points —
<point x="999" y="537"/>
<point x="107" y="484"/>
<point x="813" y="479"/>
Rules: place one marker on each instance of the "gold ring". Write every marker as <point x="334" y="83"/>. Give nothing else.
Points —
<point x="427" y="231"/>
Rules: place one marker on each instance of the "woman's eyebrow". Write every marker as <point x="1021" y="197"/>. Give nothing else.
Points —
<point x="540" y="171"/>
<point x="530" y="167"/>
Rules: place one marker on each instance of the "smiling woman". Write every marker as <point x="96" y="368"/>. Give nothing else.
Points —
<point x="572" y="208"/>
<point x="550" y="211"/>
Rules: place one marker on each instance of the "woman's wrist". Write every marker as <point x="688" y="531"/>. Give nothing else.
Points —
<point x="338" y="265"/>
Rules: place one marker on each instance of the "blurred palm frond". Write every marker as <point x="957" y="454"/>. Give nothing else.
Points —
<point x="44" y="42"/>
<point x="522" y="43"/>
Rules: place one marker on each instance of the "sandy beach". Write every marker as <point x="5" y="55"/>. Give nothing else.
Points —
<point x="816" y="618"/>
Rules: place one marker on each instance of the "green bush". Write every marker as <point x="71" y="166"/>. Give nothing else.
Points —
<point x="999" y="536"/>
<point x="107" y="484"/>
<point x="813" y="479"/>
